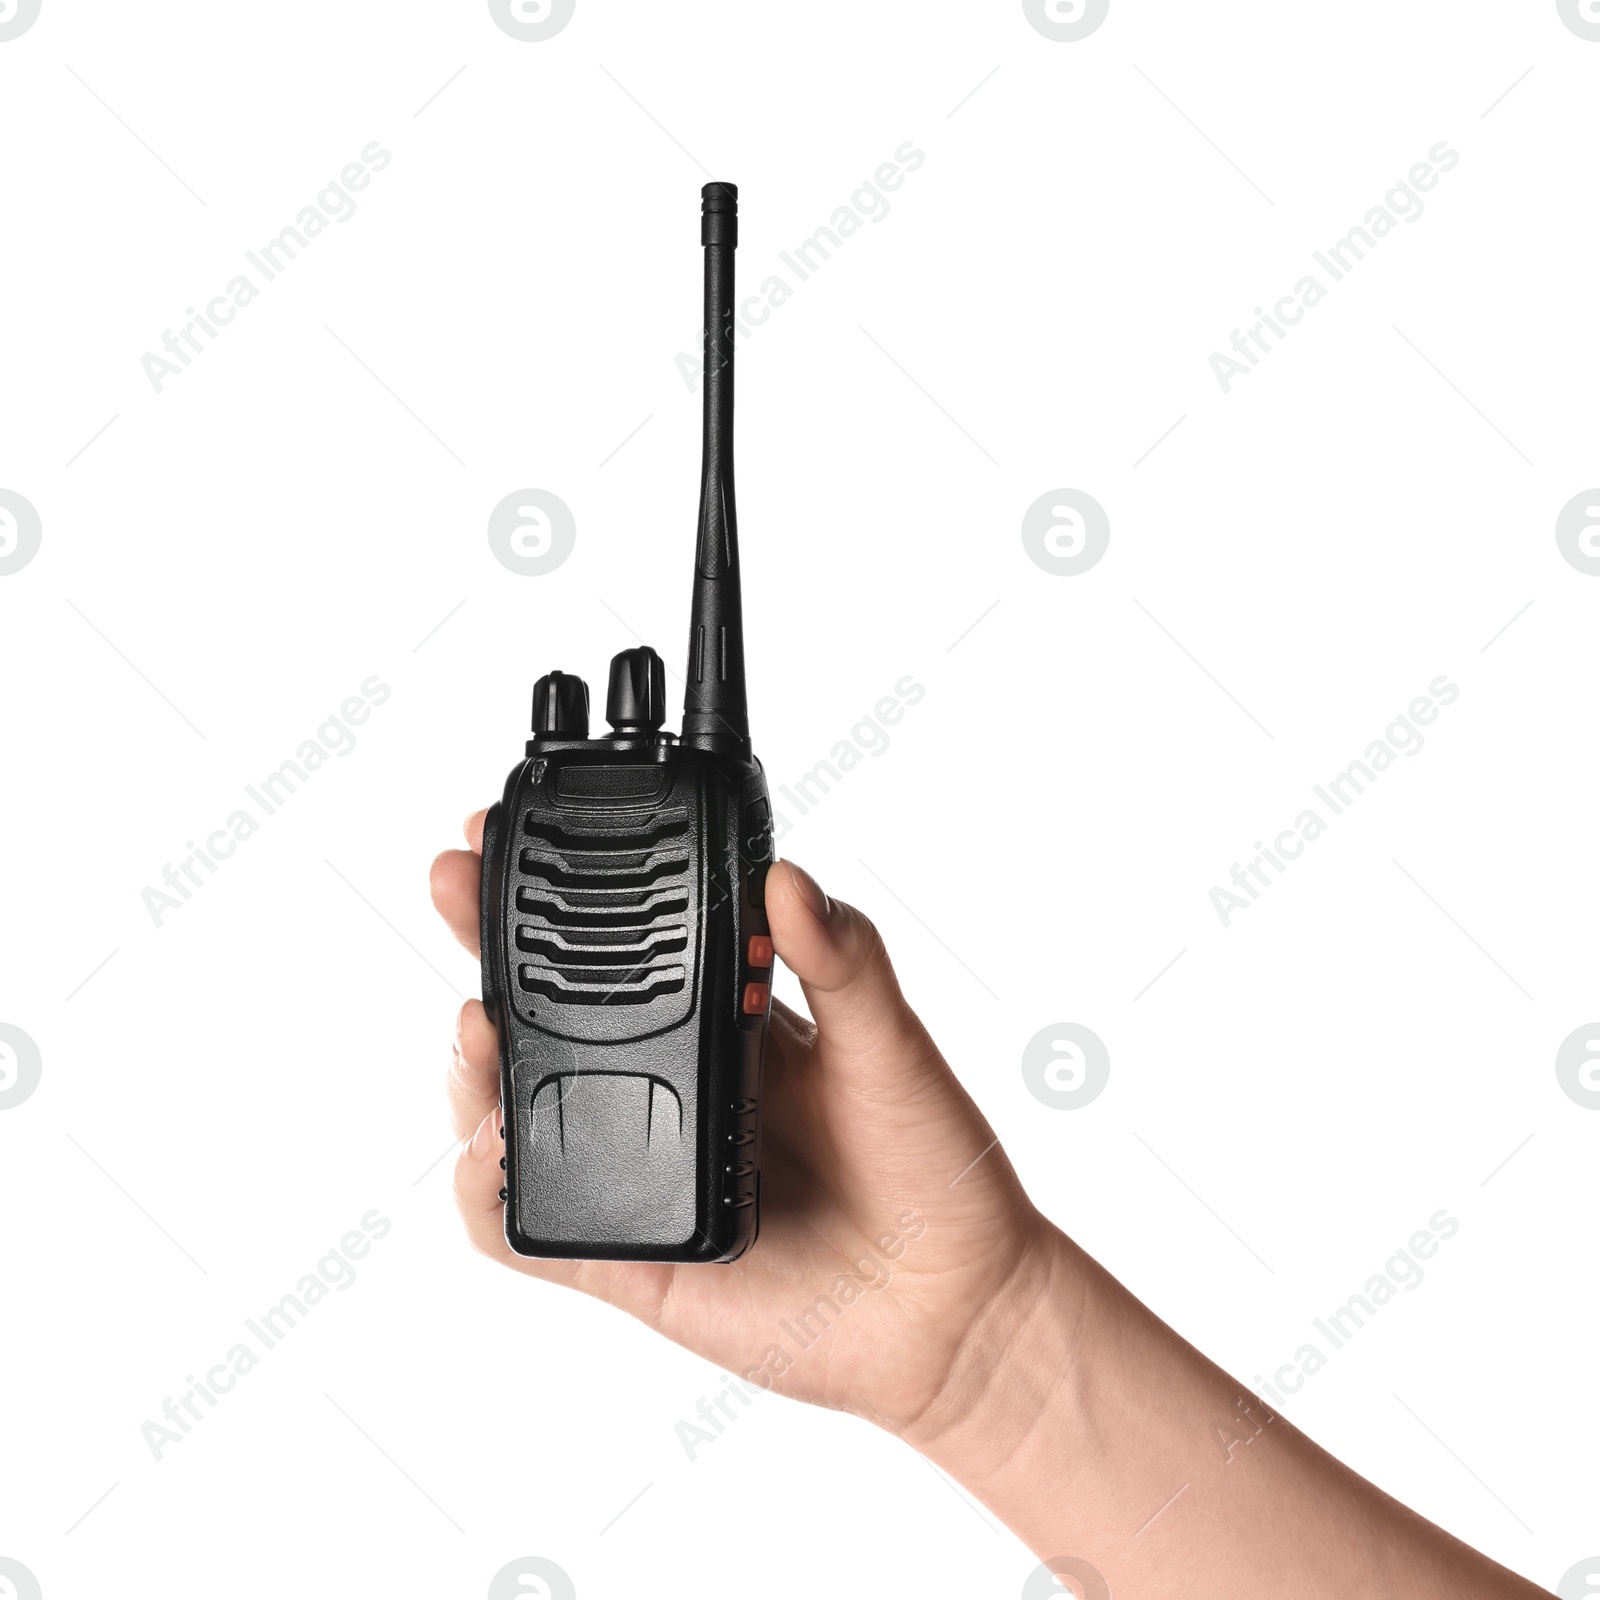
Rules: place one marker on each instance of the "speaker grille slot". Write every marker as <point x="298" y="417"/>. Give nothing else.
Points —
<point x="603" y="915"/>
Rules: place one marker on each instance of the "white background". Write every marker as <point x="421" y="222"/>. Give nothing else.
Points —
<point x="228" y="560"/>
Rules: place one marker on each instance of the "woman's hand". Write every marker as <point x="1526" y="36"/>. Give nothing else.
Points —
<point x="902" y="1274"/>
<point x="892" y="1225"/>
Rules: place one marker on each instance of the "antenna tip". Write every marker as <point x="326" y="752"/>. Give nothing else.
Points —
<point x="719" y="214"/>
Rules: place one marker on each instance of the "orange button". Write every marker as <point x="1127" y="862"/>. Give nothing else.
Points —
<point x="760" y="950"/>
<point x="755" y="998"/>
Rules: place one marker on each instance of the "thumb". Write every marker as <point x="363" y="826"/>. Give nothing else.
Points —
<point x="849" y="982"/>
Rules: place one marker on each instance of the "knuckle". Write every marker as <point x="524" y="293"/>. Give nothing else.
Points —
<point x="871" y="951"/>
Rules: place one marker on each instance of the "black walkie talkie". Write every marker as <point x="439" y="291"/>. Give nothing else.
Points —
<point x="626" y="961"/>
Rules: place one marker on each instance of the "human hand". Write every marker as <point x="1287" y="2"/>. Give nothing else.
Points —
<point x="892" y="1226"/>
<point x="902" y="1274"/>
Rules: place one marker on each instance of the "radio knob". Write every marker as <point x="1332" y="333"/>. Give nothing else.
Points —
<point x="636" y="699"/>
<point x="561" y="706"/>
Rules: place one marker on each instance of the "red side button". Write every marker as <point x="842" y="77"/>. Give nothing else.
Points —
<point x="760" y="950"/>
<point x="755" y="998"/>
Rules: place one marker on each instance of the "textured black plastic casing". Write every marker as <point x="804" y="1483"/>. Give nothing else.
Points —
<point x="622" y="885"/>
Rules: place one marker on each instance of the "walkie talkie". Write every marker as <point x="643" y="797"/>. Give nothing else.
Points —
<point x="626" y="957"/>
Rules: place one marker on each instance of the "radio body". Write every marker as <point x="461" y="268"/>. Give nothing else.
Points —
<point x="626" y="957"/>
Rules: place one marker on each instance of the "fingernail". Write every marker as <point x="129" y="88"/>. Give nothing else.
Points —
<point x="811" y="892"/>
<point x="483" y="1140"/>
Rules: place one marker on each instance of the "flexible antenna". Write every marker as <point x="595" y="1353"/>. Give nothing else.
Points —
<point x="715" y="716"/>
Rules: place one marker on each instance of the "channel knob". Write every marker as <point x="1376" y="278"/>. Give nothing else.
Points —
<point x="636" y="699"/>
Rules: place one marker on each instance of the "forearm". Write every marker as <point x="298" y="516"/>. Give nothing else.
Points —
<point x="1094" y="1431"/>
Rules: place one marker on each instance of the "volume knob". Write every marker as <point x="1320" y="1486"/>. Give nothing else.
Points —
<point x="636" y="700"/>
<point x="561" y="706"/>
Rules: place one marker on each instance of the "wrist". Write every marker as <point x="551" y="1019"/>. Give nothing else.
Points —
<point x="1055" y="1414"/>
<point x="1094" y="1431"/>
<point x="1015" y="1382"/>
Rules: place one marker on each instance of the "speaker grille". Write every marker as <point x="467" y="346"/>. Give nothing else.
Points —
<point x="603" y="912"/>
